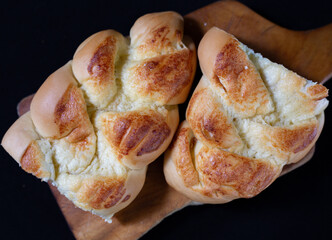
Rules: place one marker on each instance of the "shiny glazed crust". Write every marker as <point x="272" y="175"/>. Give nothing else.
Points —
<point x="98" y="121"/>
<point x="246" y="120"/>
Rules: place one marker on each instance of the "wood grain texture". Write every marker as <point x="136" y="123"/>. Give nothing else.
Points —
<point x="302" y="51"/>
<point x="154" y="202"/>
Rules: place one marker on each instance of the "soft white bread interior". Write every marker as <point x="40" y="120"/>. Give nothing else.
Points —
<point x="98" y="121"/>
<point x="21" y="142"/>
<point x="247" y="118"/>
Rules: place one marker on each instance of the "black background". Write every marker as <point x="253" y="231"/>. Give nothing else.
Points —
<point x="37" y="37"/>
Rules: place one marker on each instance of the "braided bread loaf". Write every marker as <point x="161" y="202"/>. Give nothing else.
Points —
<point x="97" y="122"/>
<point x="247" y="118"/>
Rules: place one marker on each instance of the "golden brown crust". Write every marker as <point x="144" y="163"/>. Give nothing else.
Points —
<point x="59" y="110"/>
<point x="226" y="172"/>
<point x="101" y="193"/>
<point x="317" y="92"/>
<point x="71" y="117"/>
<point x="20" y="141"/>
<point x="155" y="33"/>
<point x="94" y="65"/>
<point x="164" y="60"/>
<point x="232" y="74"/>
<point x="250" y="117"/>
<point x="59" y="113"/>
<point x="45" y="101"/>
<point x="31" y="161"/>
<point x="184" y="164"/>
<point x="142" y="132"/>
<point x="209" y="121"/>
<point x="92" y="131"/>
<point x="19" y="136"/>
<point x="294" y="139"/>
<point x="101" y="64"/>
<point x="164" y="77"/>
<point x="240" y="79"/>
<point x="212" y="175"/>
<point x="138" y="136"/>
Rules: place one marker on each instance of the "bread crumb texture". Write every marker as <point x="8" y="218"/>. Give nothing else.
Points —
<point x="97" y="122"/>
<point x="247" y="118"/>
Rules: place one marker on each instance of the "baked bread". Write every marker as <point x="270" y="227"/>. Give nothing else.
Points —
<point x="98" y="121"/>
<point x="247" y="118"/>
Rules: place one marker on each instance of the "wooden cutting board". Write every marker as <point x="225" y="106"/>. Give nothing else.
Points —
<point x="301" y="51"/>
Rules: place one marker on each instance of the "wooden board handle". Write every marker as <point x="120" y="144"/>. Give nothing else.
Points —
<point x="305" y="52"/>
<point x="308" y="53"/>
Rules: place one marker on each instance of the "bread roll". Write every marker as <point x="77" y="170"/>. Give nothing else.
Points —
<point x="247" y="118"/>
<point x="98" y="121"/>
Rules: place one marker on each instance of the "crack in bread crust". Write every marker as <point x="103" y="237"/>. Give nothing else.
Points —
<point x="185" y="166"/>
<point x="250" y="116"/>
<point x="94" y="130"/>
